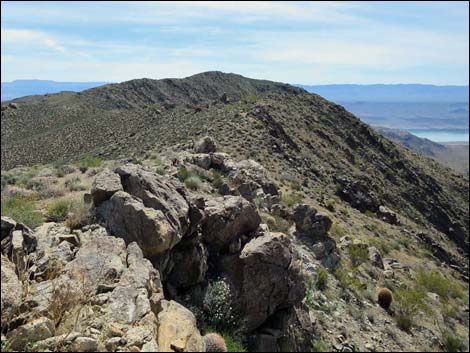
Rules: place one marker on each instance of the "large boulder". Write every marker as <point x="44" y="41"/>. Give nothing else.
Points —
<point x="387" y="215"/>
<point x="228" y="218"/>
<point x="105" y="185"/>
<point x="36" y="330"/>
<point x="177" y="330"/>
<point x="205" y="145"/>
<point x="310" y="222"/>
<point x="358" y="194"/>
<point x="127" y="217"/>
<point x="11" y="290"/>
<point x="266" y="277"/>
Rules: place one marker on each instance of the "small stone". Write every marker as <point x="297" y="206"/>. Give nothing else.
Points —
<point x="85" y="344"/>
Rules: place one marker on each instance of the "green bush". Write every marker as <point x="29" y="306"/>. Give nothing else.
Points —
<point x="319" y="346"/>
<point x="409" y="302"/>
<point x="291" y="199"/>
<point x="183" y="173"/>
<point x="218" y="308"/>
<point x="217" y="180"/>
<point x="22" y="209"/>
<point x="89" y="161"/>
<point x="358" y="254"/>
<point x="74" y="184"/>
<point x="59" y="209"/>
<point x="436" y="283"/>
<point x="232" y="343"/>
<point x="193" y="182"/>
<point x="322" y="279"/>
<point x="452" y="343"/>
<point x="337" y="231"/>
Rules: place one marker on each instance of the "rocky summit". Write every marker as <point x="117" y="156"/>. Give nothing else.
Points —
<point x="220" y="213"/>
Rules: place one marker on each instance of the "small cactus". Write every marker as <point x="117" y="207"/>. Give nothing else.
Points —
<point x="215" y="343"/>
<point x="385" y="298"/>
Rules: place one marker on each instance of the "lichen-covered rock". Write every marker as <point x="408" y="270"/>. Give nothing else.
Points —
<point x="310" y="222"/>
<point x="227" y="218"/>
<point x="11" y="290"/>
<point x="177" y="330"/>
<point x="105" y="185"/>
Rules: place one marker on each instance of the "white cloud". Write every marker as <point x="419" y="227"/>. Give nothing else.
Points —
<point x="28" y="37"/>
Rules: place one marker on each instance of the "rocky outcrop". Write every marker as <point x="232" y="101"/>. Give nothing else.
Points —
<point x="266" y="276"/>
<point x="11" y="290"/>
<point x="358" y="194"/>
<point x="228" y="218"/>
<point x="387" y="215"/>
<point x="310" y="222"/>
<point x="105" y="185"/>
<point x="205" y="145"/>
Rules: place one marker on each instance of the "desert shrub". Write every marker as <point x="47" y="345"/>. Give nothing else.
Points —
<point x="291" y="199"/>
<point x="322" y="279"/>
<point x="58" y="210"/>
<point x="21" y="209"/>
<point x="214" y="343"/>
<point x="89" y="161"/>
<point x="63" y="169"/>
<point x="348" y="280"/>
<point x="183" y="173"/>
<point x="330" y="204"/>
<point x="381" y="244"/>
<point x="193" y="182"/>
<point x="409" y="302"/>
<point x="452" y="343"/>
<point x="370" y="214"/>
<point x="436" y="283"/>
<point x="74" y="184"/>
<point x="219" y="312"/>
<point x="278" y="224"/>
<point x="337" y="231"/>
<point x="310" y="294"/>
<point x="80" y="214"/>
<point x="385" y="298"/>
<point x="217" y="180"/>
<point x="319" y="346"/>
<point x="233" y="344"/>
<point x="358" y="254"/>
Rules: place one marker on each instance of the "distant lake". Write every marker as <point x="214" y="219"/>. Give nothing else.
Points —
<point x="441" y="135"/>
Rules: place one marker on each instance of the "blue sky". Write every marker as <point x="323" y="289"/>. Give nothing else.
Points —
<point x="297" y="42"/>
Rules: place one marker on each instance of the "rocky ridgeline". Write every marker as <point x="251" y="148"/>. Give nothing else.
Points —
<point x="128" y="282"/>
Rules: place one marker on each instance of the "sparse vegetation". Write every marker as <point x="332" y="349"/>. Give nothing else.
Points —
<point x="358" y="254"/>
<point x="22" y="209"/>
<point x="409" y="302"/>
<point x="58" y="210"/>
<point x="436" y="283"/>
<point x="452" y="343"/>
<point x="322" y="279"/>
<point x="79" y="215"/>
<point x="291" y="199"/>
<point x="319" y="346"/>
<point x="193" y="182"/>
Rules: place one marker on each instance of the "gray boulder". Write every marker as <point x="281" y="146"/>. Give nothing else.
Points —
<point x="310" y="222"/>
<point x="11" y="290"/>
<point x="105" y="185"/>
<point x="205" y="145"/>
<point x="266" y="277"/>
<point x="228" y="218"/>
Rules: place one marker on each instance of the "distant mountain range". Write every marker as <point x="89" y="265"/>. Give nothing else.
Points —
<point x="21" y="88"/>
<point x="404" y="106"/>
<point x="451" y="155"/>
<point x="390" y="93"/>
